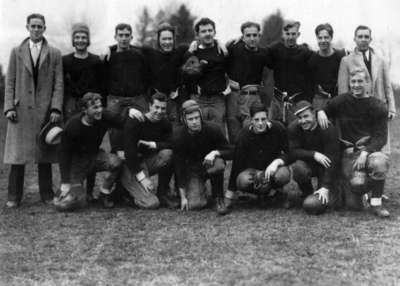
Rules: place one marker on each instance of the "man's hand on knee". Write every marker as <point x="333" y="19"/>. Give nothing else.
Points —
<point x="147" y="184"/>
<point x="361" y="162"/>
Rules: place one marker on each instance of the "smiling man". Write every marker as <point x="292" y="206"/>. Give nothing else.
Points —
<point x="315" y="151"/>
<point x="83" y="71"/>
<point x="324" y="66"/>
<point x="80" y="152"/>
<point x="362" y="118"/>
<point x="260" y="157"/>
<point x="148" y="152"/>
<point x="365" y="57"/>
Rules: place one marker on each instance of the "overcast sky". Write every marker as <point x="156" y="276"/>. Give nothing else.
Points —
<point x="103" y="15"/>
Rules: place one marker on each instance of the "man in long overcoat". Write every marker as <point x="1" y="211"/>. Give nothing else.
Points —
<point x="33" y="97"/>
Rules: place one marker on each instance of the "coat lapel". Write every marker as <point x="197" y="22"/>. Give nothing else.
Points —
<point x="25" y="54"/>
<point x="44" y="52"/>
<point x="374" y="66"/>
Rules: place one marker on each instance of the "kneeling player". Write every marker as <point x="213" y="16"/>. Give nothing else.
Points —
<point x="260" y="156"/>
<point x="199" y="152"/>
<point x="148" y="152"/>
<point x="316" y="153"/>
<point x="80" y="153"/>
<point x="362" y="120"/>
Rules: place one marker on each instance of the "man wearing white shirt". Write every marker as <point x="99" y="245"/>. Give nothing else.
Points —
<point x="33" y="97"/>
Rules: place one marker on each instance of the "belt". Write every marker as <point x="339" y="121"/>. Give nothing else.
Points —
<point x="249" y="92"/>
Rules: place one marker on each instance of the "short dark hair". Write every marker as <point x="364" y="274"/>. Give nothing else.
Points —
<point x="123" y="26"/>
<point x="89" y="99"/>
<point x="256" y="107"/>
<point x="362" y="27"/>
<point x="249" y="24"/>
<point x="158" y="96"/>
<point x="327" y="27"/>
<point x="35" y="16"/>
<point x="288" y="24"/>
<point x="203" y="22"/>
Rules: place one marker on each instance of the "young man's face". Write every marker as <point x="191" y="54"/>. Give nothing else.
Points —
<point x="324" y="40"/>
<point x="193" y="121"/>
<point x="251" y="37"/>
<point x="123" y="38"/>
<point x="94" y="110"/>
<point x="259" y="122"/>
<point x="363" y="39"/>
<point x="80" y="41"/>
<point x="166" y="41"/>
<point x="206" y="34"/>
<point x="307" y="119"/>
<point x="290" y="36"/>
<point x="36" y="28"/>
<point x="358" y="84"/>
<point x="158" y="109"/>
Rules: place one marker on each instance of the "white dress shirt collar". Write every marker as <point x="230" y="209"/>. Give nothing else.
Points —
<point x="38" y="44"/>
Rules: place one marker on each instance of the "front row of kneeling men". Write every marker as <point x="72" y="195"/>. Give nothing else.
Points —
<point x="266" y="156"/>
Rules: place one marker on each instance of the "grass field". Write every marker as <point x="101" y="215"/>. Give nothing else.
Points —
<point x="250" y="246"/>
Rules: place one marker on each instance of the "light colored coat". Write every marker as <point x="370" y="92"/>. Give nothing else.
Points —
<point x="380" y="85"/>
<point x="32" y="105"/>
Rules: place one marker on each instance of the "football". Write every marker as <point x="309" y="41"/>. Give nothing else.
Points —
<point x="312" y="205"/>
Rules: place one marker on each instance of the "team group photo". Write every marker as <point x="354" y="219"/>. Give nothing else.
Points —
<point x="179" y="151"/>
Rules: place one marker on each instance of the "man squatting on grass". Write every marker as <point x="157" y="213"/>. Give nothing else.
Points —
<point x="199" y="152"/>
<point x="316" y="153"/>
<point x="362" y="121"/>
<point x="80" y="155"/>
<point x="259" y="157"/>
<point x="147" y="151"/>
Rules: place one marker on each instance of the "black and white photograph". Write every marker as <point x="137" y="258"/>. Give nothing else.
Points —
<point x="213" y="142"/>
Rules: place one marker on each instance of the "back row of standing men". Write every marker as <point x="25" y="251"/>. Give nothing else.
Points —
<point x="41" y="87"/>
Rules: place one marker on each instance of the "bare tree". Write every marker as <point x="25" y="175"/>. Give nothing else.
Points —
<point x="145" y="28"/>
<point x="271" y="29"/>
<point x="183" y="20"/>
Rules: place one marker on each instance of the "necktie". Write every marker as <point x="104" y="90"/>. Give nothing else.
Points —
<point x="366" y="61"/>
<point x="35" y="53"/>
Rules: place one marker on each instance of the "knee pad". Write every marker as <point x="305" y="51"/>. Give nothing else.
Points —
<point x="312" y="205"/>
<point x="378" y="166"/>
<point x="165" y="156"/>
<point x="301" y="172"/>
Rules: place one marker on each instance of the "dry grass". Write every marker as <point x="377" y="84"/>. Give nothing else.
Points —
<point x="126" y="246"/>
